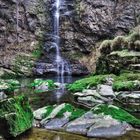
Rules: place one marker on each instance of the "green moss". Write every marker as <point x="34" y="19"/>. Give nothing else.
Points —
<point x="126" y="53"/>
<point x="127" y="81"/>
<point x="49" y="109"/>
<point x="116" y="113"/>
<point x="38" y="82"/>
<point x="77" y="113"/>
<point x="85" y="83"/>
<point x="128" y="77"/>
<point x="65" y="109"/>
<point x="126" y="86"/>
<point x="9" y="85"/>
<point x="17" y="114"/>
<point x="38" y="50"/>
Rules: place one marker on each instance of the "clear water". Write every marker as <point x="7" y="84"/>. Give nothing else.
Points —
<point x="38" y="100"/>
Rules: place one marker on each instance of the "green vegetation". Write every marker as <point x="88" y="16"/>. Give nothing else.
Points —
<point x="49" y="84"/>
<point x="116" y="113"/>
<point x="126" y="86"/>
<point x="127" y="81"/>
<point x="133" y="36"/>
<point x="49" y="109"/>
<point x="119" y="43"/>
<point x="9" y="85"/>
<point x="119" y="54"/>
<point x="38" y="50"/>
<point x="126" y="53"/>
<point x="62" y="110"/>
<point x="17" y="115"/>
<point x="85" y="83"/>
<point x="124" y="82"/>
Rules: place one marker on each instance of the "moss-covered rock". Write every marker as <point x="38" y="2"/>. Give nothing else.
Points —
<point x="9" y="85"/>
<point x="127" y="82"/>
<point x="126" y="86"/>
<point x="6" y="73"/>
<point x="119" y="54"/>
<point x="15" y="116"/>
<point x="116" y="113"/>
<point x="86" y="83"/>
<point x="62" y="110"/>
<point x="41" y="85"/>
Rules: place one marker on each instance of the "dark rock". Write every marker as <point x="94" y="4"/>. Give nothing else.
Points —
<point x="50" y="68"/>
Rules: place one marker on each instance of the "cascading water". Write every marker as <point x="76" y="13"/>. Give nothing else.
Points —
<point x="62" y="66"/>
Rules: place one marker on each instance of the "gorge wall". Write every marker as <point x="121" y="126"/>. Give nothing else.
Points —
<point x="84" y="25"/>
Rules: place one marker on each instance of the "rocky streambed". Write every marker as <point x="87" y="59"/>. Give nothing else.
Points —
<point x="98" y="107"/>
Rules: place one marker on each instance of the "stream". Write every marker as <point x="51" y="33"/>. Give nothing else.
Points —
<point x="38" y="100"/>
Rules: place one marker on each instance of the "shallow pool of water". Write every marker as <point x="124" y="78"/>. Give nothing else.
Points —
<point x="41" y="134"/>
<point x="38" y="100"/>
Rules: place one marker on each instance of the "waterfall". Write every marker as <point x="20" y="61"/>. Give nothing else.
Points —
<point x="62" y="66"/>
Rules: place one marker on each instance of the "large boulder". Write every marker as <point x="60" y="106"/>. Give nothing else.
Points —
<point x="116" y="113"/>
<point x="57" y="115"/>
<point x="41" y="85"/>
<point x="15" y="116"/>
<point x="108" y="127"/>
<point x="82" y="124"/>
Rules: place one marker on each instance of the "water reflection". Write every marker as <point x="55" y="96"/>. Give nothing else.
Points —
<point x="38" y="100"/>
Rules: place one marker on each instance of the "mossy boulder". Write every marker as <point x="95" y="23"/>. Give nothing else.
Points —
<point x="9" y="85"/>
<point x="126" y="85"/>
<point x="15" y="116"/>
<point x="127" y="82"/>
<point x="41" y="85"/>
<point x="86" y="83"/>
<point x="54" y="111"/>
<point x="116" y="113"/>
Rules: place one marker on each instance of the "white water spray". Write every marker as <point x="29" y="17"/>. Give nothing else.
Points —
<point x="62" y="66"/>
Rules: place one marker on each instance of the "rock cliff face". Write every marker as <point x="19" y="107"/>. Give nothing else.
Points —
<point x="94" y="21"/>
<point x="22" y="25"/>
<point x="84" y="23"/>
